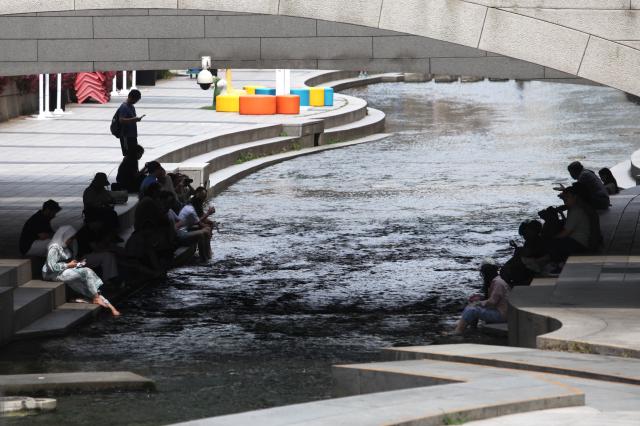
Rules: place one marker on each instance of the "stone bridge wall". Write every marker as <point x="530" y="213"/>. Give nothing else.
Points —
<point x="594" y="39"/>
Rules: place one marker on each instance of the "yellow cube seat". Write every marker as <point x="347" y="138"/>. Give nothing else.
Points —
<point x="228" y="103"/>
<point x="316" y="96"/>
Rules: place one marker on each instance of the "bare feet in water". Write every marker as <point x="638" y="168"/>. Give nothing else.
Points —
<point x="100" y="300"/>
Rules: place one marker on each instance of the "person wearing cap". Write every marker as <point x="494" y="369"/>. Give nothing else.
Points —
<point x="37" y="232"/>
<point x="98" y="203"/>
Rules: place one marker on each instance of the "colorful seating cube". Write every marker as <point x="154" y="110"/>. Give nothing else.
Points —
<point x="328" y="96"/>
<point x="316" y="97"/>
<point x="265" y="91"/>
<point x="251" y="90"/>
<point x="288" y="104"/>
<point x="257" y="105"/>
<point x="228" y="103"/>
<point x="304" y="94"/>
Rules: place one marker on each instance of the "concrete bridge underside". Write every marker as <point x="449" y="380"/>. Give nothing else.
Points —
<point x="596" y="40"/>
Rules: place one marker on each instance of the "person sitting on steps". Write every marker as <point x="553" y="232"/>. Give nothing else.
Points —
<point x="37" y="232"/>
<point x="61" y="266"/>
<point x="490" y="307"/>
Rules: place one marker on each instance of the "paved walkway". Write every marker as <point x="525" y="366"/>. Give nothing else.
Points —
<point x="57" y="158"/>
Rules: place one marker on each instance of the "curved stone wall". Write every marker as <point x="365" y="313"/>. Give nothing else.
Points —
<point x="595" y="40"/>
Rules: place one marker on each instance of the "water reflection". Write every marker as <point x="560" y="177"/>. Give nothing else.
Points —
<point x="327" y="258"/>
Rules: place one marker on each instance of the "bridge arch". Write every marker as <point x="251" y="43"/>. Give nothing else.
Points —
<point x="597" y="40"/>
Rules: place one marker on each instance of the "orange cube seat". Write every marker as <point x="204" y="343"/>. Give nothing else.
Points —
<point x="288" y="104"/>
<point x="257" y="105"/>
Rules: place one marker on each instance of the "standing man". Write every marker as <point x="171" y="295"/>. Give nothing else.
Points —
<point x="129" y="122"/>
<point x="37" y="232"/>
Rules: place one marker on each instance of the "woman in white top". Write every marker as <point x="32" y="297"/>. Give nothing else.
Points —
<point x="60" y="266"/>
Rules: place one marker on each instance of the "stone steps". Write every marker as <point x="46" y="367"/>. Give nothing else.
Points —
<point x="372" y="123"/>
<point x="200" y="167"/>
<point x="14" y="272"/>
<point x="220" y="180"/>
<point x="583" y="416"/>
<point x="585" y="366"/>
<point x="29" y="304"/>
<point x="59" y="321"/>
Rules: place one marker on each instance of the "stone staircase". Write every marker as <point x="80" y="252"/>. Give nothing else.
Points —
<point x="31" y="307"/>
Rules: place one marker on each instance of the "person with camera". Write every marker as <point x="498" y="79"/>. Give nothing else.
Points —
<point x="580" y="230"/>
<point x="491" y="306"/>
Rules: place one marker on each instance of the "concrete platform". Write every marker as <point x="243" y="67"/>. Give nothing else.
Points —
<point x="72" y="382"/>
<point x="382" y="397"/>
<point x="574" y="416"/>
<point x="587" y="366"/>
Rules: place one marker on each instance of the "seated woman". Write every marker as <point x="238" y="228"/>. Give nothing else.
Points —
<point x="493" y="309"/>
<point x="60" y="266"/>
<point x="610" y="182"/>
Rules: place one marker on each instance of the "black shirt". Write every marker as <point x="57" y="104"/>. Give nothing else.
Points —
<point x="36" y="224"/>
<point x="128" y="175"/>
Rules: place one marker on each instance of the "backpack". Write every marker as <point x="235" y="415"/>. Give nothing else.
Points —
<point x="116" y="129"/>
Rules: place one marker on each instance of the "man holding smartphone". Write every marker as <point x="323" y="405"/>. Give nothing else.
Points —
<point x="129" y="122"/>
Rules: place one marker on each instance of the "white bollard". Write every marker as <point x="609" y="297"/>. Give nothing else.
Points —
<point x="41" y="96"/>
<point x="133" y="80"/>
<point x="283" y="82"/>
<point x="58" y="109"/>
<point x="114" y="86"/>
<point x="124" y="90"/>
<point x="47" y="100"/>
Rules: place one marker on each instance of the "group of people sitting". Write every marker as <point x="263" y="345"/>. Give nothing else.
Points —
<point x="570" y="229"/>
<point x="170" y="214"/>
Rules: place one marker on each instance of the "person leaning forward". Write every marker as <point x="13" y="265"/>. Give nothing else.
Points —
<point x="37" y="232"/>
<point x="129" y="122"/>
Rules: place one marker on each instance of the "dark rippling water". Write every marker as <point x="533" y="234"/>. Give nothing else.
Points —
<point x="325" y="259"/>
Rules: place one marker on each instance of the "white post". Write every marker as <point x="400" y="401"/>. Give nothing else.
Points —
<point x="287" y="82"/>
<point x="58" y="109"/>
<point x="40" y="96"/>
<point x="124" y="90"/>
<point x="47" y="100"/>
<point x="114" y="86"/>
<point x="133" y="80"/>
<point x="280" y="82"/>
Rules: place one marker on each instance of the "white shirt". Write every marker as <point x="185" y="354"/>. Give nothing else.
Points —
<point x="188" y="216"/>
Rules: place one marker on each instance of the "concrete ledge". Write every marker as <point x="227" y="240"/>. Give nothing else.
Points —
<point x="586" y="366"/>
<point x="70" y="382"/>
<point x="452" y="391"/>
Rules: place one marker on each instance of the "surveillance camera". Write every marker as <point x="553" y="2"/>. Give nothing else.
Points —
<point x="205" y="79"/>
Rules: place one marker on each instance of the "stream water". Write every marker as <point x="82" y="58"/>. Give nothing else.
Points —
<point x="327" y="258"/>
